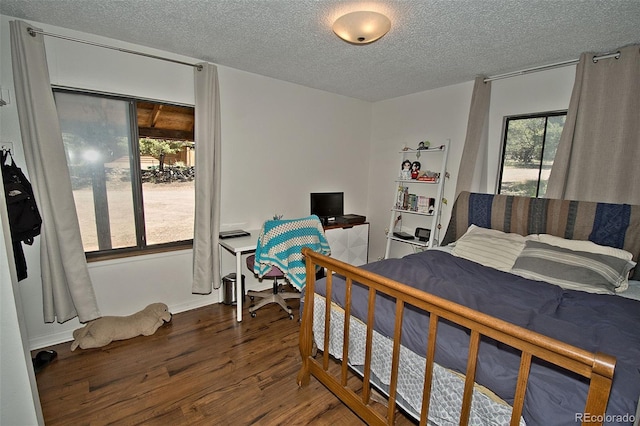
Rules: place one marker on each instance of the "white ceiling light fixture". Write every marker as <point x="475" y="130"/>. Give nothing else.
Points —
<point x="361" y="27"/>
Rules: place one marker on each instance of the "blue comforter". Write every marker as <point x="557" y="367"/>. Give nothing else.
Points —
<point x="610" y="324"/>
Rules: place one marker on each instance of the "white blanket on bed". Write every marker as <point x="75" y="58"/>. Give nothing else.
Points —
<point x="447" y="386"/>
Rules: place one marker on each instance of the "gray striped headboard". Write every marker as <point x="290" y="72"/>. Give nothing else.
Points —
<point x="614" y="225"/>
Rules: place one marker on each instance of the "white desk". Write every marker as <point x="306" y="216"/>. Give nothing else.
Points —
<point x="238" y="246"/>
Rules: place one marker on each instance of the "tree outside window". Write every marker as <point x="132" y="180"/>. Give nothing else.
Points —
<point x="529" y="148"/>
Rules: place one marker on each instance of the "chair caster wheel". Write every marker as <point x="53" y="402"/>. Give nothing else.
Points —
<point x="290" y="316"/>
<point x="253" y="314"/>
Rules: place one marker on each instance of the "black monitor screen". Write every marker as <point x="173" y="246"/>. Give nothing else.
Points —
<point x="327" y="204"/>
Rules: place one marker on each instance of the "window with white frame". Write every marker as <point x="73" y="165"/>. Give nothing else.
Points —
<point x="131" y="163"/>
<point x="529" y="147"/>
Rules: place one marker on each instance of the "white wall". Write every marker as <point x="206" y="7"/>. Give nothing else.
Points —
<point x="439" y="115"/>
<point x="435" y="115"/>
<point x="280" y="141"/>
<point x="19" y="400"/>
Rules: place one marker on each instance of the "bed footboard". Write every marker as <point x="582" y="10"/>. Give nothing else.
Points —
<point x="598" y="368"/>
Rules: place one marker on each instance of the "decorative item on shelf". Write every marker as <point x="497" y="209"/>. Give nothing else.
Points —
<point x="415" y="169"/>
<point x="405" y="199"/>
<point x="423" y="204"/>
<point x="405" y="171"/>
<point x="423" y="234"/>
<point x="277" y="217"/>
<point x="402" y="190"/>
<point x="397" y="224"/>
<point x="412" y="205"/>
<point x="428" y="176"/>
<point x="403" y="235"/>
<point x="426" y="204"/>
<point x="424" y="145"/>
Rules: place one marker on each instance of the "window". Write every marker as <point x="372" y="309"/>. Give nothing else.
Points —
<point x="529" y="147"/>
<point x="131" y="164"/>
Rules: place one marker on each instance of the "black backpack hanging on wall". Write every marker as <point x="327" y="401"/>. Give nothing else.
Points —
<point x="24" y="218"/>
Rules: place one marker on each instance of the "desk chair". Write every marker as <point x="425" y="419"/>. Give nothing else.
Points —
<point x="278" y="255"/>
<point x="274" y="297"/>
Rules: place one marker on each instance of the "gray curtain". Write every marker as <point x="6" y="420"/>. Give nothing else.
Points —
<point x="206" y="250"/>
<point x="597" y="157"/>
<point x="67" y="291"/>
<point x="472" y="163"/>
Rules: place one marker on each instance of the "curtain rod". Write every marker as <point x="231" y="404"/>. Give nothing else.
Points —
<point x="595" y="59"/>
<point x="34" y="31"/>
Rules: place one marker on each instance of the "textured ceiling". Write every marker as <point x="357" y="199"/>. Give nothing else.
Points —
<point x="431" y="43"/>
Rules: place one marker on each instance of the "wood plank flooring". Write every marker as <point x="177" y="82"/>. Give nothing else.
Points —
<point x="202" y="368"/>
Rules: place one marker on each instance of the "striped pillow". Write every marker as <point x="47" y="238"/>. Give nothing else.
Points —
<point x="573" y="270"/>
<point x="489" y="247"/>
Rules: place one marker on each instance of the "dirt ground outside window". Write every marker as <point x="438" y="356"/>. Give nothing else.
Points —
<point x="169" y="214"/>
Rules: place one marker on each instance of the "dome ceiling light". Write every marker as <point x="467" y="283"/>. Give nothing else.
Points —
<point x="361" y="27"/>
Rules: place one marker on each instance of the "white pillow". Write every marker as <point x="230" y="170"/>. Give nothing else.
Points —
<point x="490" y="247"/>
<point x="582" y="245"/>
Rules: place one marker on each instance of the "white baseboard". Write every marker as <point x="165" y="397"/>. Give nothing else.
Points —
<point x="50" y="340"/>
<point x="67" y="335"/>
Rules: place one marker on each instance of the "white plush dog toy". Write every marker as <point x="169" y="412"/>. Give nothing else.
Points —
<point x="102" y="331"/>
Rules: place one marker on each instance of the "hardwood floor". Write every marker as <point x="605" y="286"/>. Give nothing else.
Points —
<point x="202" y="368"/>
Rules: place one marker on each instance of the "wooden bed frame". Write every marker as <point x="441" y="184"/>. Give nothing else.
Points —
<point x="597" y="367"/>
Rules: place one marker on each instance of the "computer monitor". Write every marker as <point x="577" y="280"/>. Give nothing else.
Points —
<point x="327" y="205"/>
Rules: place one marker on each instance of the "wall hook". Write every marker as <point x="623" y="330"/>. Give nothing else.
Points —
<point x="4" y="97"/>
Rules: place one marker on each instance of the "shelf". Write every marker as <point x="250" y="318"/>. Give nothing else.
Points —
<point x="413" y="242"/>
<point x="412" y="212"/>
<point x="411" y="192"/>
<point x="421" y="182"/>
<point x="414" y="151"/>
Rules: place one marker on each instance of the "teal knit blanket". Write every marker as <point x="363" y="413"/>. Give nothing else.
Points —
<point x="280" y="244"/>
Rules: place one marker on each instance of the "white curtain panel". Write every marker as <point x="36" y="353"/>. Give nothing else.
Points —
<point x="472" y="163"/>
<point x="598" y="152"/>
<point x="206" y="248"/>
<point x="67" y="291"/>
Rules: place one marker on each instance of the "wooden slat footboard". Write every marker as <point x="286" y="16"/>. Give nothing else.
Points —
<point x="596" y="367"/>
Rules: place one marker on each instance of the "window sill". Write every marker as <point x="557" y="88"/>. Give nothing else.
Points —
<point x="134" y="252"/>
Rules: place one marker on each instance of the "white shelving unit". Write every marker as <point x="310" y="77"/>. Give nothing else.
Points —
<point x="429" y="158"/>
